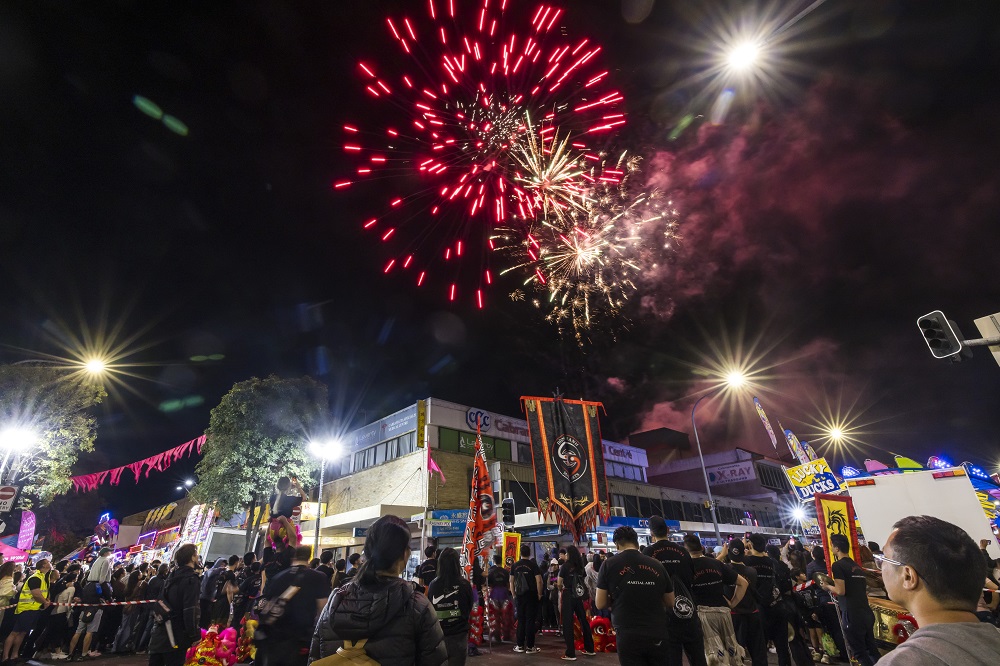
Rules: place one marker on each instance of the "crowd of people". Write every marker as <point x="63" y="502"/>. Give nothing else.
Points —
<point x="673" y="599"/>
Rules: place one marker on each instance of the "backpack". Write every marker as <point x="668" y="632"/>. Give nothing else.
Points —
<point x="350" y="654"/>
<point x="271" y="612"/>
<point x="684" y="606"/>
<point x="521" y="584"/>
<point x="577" y="585"/>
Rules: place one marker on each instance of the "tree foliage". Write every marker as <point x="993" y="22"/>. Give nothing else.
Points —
<point x="53" y="403"/>
<point x="257" y="433"/>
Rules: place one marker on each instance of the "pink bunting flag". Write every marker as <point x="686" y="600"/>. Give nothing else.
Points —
<point x="160" y="462"/>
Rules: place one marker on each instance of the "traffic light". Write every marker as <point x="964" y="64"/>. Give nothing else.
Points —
<point x="940" y="335"/>
<point x="507" y="505"/>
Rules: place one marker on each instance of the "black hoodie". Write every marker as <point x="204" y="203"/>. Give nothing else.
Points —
<point x="399" y="623"/>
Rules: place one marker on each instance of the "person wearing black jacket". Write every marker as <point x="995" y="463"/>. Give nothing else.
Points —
<point x="153" y="590"/>
<point x="176" y="627"/>
<point x="451" y="597"/>
<point x="380" y="613"/>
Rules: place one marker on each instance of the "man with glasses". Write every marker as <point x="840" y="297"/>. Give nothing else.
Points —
<point x="934" y="569"/>
<point x="851" y="588"/>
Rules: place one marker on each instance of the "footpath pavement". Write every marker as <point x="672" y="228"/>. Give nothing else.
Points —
<point x="552" y="649"/>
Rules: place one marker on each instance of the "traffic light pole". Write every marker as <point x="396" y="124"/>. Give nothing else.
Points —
<point x="981" y="342"/>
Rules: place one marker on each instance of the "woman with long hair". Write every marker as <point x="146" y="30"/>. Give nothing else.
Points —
<point x="593" y="568"/>
<point x="573" y="583"/>
<point x="451" y="597"/>
<point x="379" y="613"/>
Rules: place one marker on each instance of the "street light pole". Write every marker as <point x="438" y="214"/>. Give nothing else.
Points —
<point x="704" y="470"/>
<point x="319" y="505"/>
<point x="325" y="451"/>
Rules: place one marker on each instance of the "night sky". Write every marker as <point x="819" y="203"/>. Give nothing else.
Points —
<point x="828" y="210"/>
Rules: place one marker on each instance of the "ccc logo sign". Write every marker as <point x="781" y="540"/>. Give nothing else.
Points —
<point x="483" y="418"/>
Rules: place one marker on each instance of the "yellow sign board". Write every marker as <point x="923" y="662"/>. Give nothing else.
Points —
<point x="421" y="422"/>
<point x="511" y="548"/>
<point x="812" y="478"/>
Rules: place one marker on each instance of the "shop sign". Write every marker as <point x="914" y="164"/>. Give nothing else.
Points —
<point x="308" y="511"/>
<point x="810" y="526"/>
<point x="450" y="522"/>
<point x="511" y="428"/>
<point x="543" y="531"/>
<point x="625" y="454"/>
<point x="359" y="532"/>
<point x="615" y="522"/>
<point x="813" y="478"/>
<point x="500" y="426"/>
<point x="474" y="417"/>
<point x="721" y="475"/>
<point x="403" y="421"/>
<point x="467" y="444"/>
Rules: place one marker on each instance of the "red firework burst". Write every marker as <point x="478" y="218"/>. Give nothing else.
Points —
<point x="479" y="91"/>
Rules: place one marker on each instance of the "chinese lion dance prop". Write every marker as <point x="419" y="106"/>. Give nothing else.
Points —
<point x="214" y="648"/>
<point x="605" y="639"/>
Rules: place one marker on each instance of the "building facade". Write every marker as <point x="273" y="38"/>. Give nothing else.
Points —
<point x="385" y="470"/>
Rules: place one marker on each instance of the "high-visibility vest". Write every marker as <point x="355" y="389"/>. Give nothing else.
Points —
<point x="26" y="601"/>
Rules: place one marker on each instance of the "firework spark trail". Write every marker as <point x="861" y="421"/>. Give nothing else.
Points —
<point x="585" y="261"/>
<point x="464" y="93"/>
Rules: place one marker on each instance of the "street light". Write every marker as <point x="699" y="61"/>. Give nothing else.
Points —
<point x="95" y="366"/>
<point x="836" y="435"/>
<point x="743" y="56"/>
<point x="15" y="440"/>
<point x="188" y="484"/>
<point x="734" y="379"/>
<point x="326" y="450"/>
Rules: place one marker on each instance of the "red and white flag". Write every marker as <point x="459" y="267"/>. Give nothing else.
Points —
<point x="480" y="528"/>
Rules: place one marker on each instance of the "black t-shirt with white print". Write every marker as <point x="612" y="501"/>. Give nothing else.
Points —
<point x="710" y="580"/>
<point x="636" y="584"/>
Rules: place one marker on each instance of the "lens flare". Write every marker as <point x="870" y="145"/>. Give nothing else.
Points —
<point x="743" y="56"/>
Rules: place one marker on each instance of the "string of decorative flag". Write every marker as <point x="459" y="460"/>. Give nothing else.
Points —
<point x="140" y="468"/>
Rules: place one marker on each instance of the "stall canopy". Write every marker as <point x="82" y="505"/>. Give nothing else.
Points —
<point x="11" y="554"/>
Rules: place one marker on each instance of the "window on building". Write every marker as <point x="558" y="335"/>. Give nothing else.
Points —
<point x="407" y="443"/>
<point x="650" y="506"/>
<point x="693" y="512"/>
<point x="772" y="477"/>
<point x="524" y="453"/>
<point x="448" y="439"/>
<point x="632" y="509"/>
<point x="727" y="514"/>
<point x="672" y="510"/>
<point x="502" y="449"/>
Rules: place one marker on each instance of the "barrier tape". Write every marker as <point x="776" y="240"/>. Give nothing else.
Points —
<point x="102" y="605"/>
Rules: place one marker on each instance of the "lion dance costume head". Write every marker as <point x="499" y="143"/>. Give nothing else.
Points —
<point x="604" y="635"/>
<point x="214" y="648"/>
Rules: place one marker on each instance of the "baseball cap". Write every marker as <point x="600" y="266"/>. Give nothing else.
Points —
<point x="737" y="550"/>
